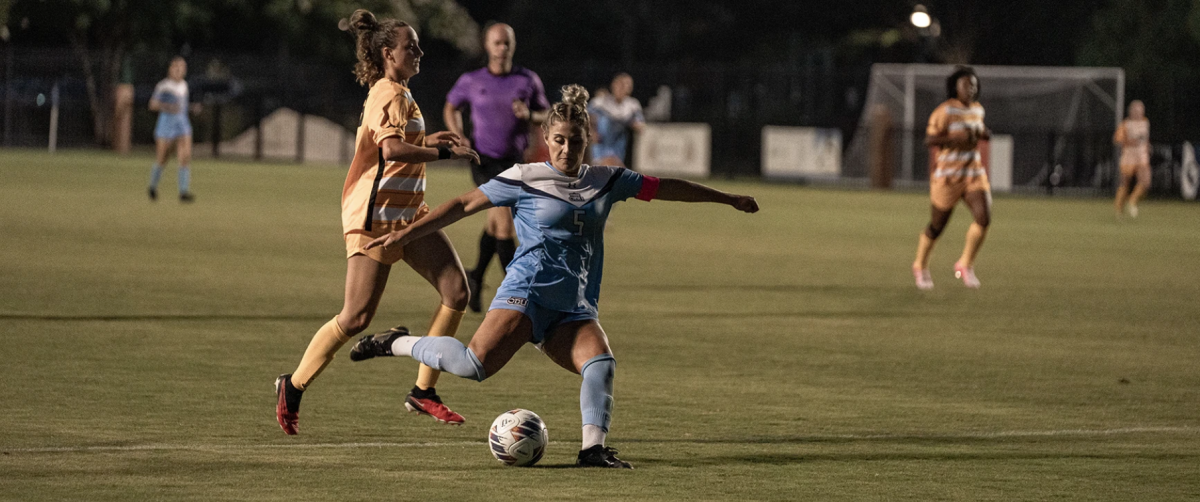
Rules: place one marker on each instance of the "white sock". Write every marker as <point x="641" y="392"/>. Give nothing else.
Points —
<point x="593" y="435"/>
<point x="403" y="345"/>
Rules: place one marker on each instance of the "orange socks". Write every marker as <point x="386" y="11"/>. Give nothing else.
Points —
<point x="319" y="353"/>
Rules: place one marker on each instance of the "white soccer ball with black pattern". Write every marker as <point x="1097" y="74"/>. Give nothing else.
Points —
<point x="518" y="437"/>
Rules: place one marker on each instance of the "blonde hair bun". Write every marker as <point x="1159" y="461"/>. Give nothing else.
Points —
<point x="575" y="94"/>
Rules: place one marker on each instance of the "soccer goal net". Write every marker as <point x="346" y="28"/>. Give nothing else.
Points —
<point x="1053" y="125"/>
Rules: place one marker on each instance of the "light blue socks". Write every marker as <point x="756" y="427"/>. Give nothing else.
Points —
<point x="155" y="174"/>
<point x="595" y="395"/>
<point x="444" y="353"/>
<point x="185" y="179"/>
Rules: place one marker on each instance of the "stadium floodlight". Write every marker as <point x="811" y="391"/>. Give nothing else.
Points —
<point x="920" y="17"/>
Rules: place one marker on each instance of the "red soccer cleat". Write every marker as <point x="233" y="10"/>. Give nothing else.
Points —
<point x="288" y="420"/>
<point x="434" y="408"/>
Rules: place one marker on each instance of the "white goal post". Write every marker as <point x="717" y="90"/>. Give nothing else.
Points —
<point x="1057" y="117"/>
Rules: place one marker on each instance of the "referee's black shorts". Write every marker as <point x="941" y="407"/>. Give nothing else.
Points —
<point x="490" y="167"/>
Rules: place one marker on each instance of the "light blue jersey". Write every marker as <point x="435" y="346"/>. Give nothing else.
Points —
<point x="172" y="125"/>
<point x="560" y="222"/>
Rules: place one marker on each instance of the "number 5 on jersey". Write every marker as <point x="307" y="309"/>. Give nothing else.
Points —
<point x="579" y="221"/>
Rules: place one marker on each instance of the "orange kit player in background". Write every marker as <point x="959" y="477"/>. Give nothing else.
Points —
<point x="1133" y="136"/>
<point x="955" y="128"/>
<point x="385" y="192"/>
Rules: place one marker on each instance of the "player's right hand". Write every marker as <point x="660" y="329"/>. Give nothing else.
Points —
<point x="745" y="203"/>
<point x="464" y="152"/>
<point x="389" y="239"/>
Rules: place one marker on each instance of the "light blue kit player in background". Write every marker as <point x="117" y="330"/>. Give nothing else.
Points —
<point x="174" y="129"/>
<point x="549" y="296"/>
<point x="614" y="115"/>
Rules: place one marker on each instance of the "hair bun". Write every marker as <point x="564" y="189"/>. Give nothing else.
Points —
<point x="575" y="94"/>
<point x="363" y="20"/>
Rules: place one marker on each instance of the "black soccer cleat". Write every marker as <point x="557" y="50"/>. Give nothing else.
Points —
<point x="379" y="345"/>
<point x="153" y="193"/>
<point x="474" y="284"/>
<point x="601" y="456"/>
<point x="187" y="198"/>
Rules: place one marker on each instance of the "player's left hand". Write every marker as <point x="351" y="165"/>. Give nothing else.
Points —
<point x="388" y="240"/>
<point x="521" y="110"/>
<point x="745" y="203"/>
<point x="443" y="138"/>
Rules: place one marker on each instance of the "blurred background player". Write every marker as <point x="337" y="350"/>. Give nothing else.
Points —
<point x="955" y="128"/>
<point x="550" y="294"/>
<point x="174" y="129"/>
<point x="385" y="191"/>
<point x="614" y="115"/>
<point x="1133" y="136"/>
<point x="504" y="100"/>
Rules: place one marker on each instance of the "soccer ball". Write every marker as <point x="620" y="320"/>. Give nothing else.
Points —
<point x="518" y="437"/>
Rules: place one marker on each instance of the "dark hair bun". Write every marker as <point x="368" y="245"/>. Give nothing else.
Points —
<point x="363" y="20"/>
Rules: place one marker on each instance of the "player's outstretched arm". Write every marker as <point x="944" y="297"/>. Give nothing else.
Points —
<point x="449" y="212"/>
<point x="685" y="191"/>
<point x="396" y="150"/>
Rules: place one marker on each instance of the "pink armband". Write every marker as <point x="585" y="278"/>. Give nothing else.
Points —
<point x="649" y="188"/>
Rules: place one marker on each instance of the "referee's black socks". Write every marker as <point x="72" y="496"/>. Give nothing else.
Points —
<point x="506" y="249"/>
<point x="487" y="249"/>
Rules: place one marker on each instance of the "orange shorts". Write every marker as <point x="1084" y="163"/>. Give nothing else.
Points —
<point x="387" y="256"/>
<point x="1141" y="171"/>
<point x="944" y="193"/>
<point x="357" y="239"/>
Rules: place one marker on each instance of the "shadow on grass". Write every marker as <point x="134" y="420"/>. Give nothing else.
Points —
<point x="164" y="317"/>
<point x="845" y="314"/>
<point x="800" y="458"/>
<point x="756" y="288"/>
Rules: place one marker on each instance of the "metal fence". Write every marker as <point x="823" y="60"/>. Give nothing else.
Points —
<point x="736" y="100"/>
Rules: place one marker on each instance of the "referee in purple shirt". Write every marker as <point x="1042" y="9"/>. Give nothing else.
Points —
<point x="504" y="100"/>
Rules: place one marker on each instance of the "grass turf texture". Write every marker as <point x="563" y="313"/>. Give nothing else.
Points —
<point x="778" y="356"/>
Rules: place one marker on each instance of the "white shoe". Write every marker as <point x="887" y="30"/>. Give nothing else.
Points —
<point x="1132" y="211"/>
<point x="924" y="281"/>
<point x="967" y="274"/>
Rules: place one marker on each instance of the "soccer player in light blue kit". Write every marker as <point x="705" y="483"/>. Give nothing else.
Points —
<point x="173" y="129"/>
<point x="549" y="296"/>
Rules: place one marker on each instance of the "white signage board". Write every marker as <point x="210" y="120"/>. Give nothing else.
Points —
<point x="1000" y="162"/>
<point x="674" y="150"/>
<point x="800" y="152"/>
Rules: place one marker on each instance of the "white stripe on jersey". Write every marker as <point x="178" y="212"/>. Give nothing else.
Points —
<point x="958" y="171"/>
<point x="575" y="191"/>
<point x="951" y="156"/>
<point x="402" y="184"/>
<point x="396" y="213"/>
<point x="954" y="110"/>
<point x="976" y="125"/>
<point x="415" y="124"/>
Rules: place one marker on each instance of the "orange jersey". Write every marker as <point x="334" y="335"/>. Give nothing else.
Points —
<point x="379" y="196"/>
<point x="1134" y="138"/>
<point x="951" y="118"/>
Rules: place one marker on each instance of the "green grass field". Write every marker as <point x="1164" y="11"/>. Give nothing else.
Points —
<point x="779" y="356"/>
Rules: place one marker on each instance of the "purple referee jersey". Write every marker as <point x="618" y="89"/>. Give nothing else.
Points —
<point x="497" y="132"/>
